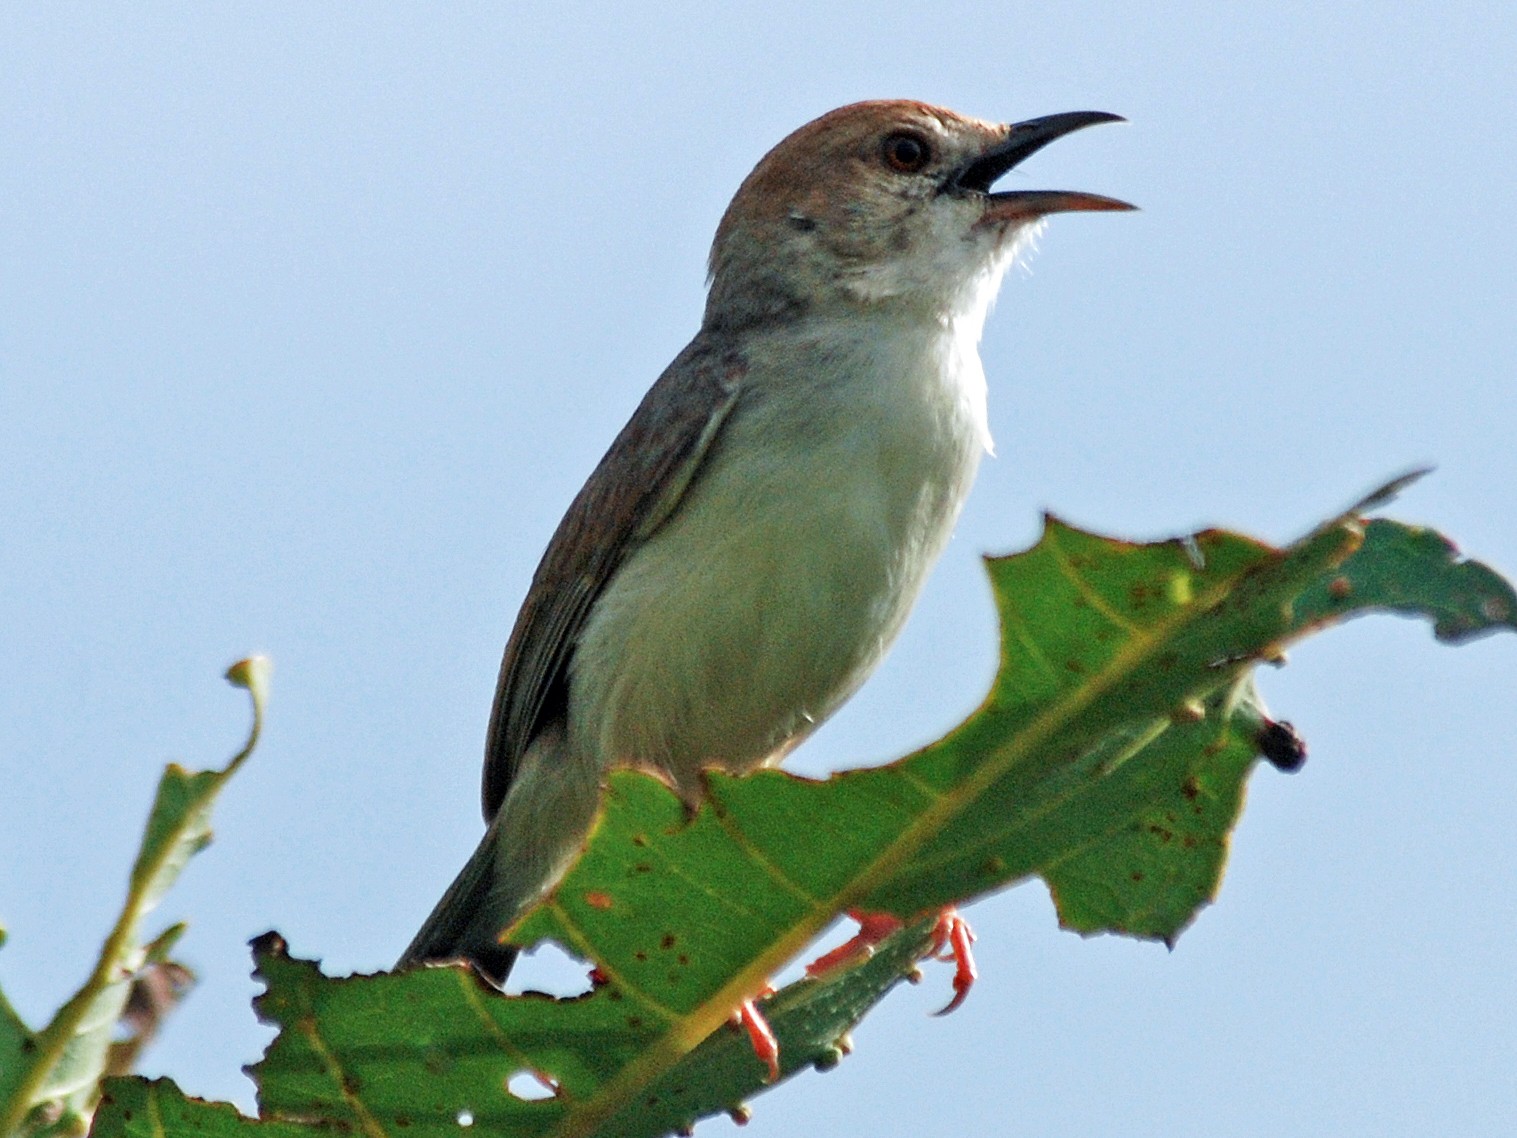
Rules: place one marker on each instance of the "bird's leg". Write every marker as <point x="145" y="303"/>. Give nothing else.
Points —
<point x="760" y="1034"/>
<point x="873" y="928"/>
<point x="749" y="1019"/>
<point x="951" y="940"/>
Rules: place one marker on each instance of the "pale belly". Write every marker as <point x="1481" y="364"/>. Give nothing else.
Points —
<point x="769" y="596"/>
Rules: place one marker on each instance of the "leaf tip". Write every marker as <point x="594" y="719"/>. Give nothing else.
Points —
<point x="253" y="674"/>
<point x="269" y="945"/>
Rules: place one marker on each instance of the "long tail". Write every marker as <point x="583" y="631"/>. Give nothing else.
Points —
<point x="459" y="927"/>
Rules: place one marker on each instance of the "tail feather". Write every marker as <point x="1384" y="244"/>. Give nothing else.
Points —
<point x="536" y="834"/>
<point x="459" y="927"/>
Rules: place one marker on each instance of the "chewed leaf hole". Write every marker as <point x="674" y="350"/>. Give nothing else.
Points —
<point x="548" y="968"/>
<point x="529" y="1086"/>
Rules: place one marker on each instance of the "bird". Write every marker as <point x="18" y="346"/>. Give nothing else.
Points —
<point x="751" y="544"/>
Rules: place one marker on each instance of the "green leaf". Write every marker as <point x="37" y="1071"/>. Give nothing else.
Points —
<point x="143" y="1108"/>
<point x="158" y="987"/>
<point x="16" y="1045"/>
<point x="419" y="1052"/>
<point x="1108" y="758"/>
<point x="1417" y="572"/>
<point x="56" y="1082"/>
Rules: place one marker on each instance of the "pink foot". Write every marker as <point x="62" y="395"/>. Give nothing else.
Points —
<point x="873" y="928"/>
<point x="761" y="1036"/>
<point x="951" y="938"/>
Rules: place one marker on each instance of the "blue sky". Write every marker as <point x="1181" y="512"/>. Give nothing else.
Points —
<point x="314" y="317"/>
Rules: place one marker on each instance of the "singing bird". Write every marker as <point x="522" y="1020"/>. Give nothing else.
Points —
<point x="752" y="542"/>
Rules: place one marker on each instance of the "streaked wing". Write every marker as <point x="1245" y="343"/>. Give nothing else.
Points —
<point x="634" y="489"/>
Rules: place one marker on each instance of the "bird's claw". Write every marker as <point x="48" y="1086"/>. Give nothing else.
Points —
<point x="951" y="940"/>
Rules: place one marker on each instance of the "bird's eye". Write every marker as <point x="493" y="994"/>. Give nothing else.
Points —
<point x="906" y="153"/>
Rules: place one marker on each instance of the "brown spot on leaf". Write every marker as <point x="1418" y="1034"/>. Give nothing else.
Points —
<point x="1191" y="788"/>
<point x="668" y="941"/>
<point x="597" y="900"/>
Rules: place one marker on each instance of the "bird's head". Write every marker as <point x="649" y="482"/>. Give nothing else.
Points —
<point x="887" y="202"/>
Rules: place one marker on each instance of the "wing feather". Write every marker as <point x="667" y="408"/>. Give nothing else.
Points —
<point x="631" y="493"/>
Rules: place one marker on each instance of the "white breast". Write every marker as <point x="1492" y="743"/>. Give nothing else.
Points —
<point x="790" y="565"/>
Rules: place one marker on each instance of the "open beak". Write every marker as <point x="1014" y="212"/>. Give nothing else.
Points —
<point x="1022" y="140"/>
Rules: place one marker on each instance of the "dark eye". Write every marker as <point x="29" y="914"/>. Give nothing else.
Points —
<point x="906" y="153"/>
